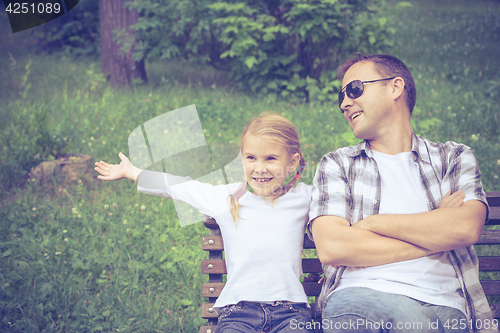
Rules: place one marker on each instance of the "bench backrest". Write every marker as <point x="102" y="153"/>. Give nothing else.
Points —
<point x="215" y="266"/>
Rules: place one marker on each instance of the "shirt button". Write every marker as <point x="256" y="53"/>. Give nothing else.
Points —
<point x="374" y="202"/>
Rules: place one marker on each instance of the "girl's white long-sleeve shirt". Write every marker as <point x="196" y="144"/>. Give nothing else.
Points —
<point x="263" y="250"/>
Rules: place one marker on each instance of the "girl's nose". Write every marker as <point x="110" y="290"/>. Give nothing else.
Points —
<point x="260" y="168"/>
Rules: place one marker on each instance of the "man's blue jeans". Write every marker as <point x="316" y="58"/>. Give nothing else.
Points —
<point x="358" y="309"/>
<point x="248" y="317"/>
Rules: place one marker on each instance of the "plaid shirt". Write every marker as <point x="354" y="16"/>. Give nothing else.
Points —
<point x="347" y="184"/>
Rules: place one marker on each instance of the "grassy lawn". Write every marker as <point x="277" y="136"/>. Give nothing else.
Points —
<point x="95" y="256"/>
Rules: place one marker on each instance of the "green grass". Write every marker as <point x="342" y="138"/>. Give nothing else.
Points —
<point x="96" y="256"/>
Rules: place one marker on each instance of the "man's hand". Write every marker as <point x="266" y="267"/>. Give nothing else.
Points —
<point x="454" y="200"/>
<point x="339" y="244"/>
<point x="117" y="171"/>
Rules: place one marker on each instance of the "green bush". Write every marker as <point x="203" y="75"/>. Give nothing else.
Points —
<point x="76" y="33"/>
<point x="287" y="47"/>
<point x="293" y="47"/>
<point x="177" y="28"/>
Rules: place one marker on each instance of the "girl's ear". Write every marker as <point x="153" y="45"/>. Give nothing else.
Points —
<point x="294" y="162"/>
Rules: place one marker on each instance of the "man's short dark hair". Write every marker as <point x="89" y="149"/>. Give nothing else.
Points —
<point x="387" y="66"/>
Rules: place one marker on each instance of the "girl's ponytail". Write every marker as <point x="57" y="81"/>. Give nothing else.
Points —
<point x="298" y="174"/>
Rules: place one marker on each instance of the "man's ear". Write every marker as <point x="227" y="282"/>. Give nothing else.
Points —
<point x="398" y="87"/>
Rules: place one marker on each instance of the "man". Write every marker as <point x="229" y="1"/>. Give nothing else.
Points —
<point x="393" y="261"/>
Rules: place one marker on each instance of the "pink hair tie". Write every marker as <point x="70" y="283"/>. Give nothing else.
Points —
<point x="297" y="176"/>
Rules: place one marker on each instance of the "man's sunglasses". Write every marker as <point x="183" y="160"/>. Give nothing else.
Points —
<point x="354" y="89"/>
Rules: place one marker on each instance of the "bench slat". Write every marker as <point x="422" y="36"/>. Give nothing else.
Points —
<point x="494" y="216"/>
<point x="311" y="265"/>
<point x="489" y="237"/>
<point x="213" y="266"/>
<point x="212" y="243"/>
<point x="312" y="288"/>
<point x="210" y="223"/>
<point x="489" y="264"/>
<point x="493" y="199"/>
<point x="491" y="287"/>
<point x="308" y="244"/>
<point x="211" y="289"/>
<point x="208" y="311"/>
<point x="207" y="329"/>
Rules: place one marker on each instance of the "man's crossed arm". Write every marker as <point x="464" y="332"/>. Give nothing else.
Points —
<point x="385" y="239"/>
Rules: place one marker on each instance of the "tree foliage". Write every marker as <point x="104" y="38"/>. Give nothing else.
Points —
<point x="76" y="32"/>
<point x="178" y="28"/>
<point x="292" y="47"/>
<point x="287" y="47"/>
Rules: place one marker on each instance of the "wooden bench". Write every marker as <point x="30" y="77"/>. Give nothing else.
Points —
<point x="215" y="266"/>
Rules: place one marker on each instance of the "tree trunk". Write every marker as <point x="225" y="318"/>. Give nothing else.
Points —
<point x="118" y="43"/>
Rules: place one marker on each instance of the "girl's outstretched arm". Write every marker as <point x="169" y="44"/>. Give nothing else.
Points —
<point x="117" y="171"/>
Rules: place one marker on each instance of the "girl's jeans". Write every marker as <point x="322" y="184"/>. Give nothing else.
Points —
<point x="248" y="317"/>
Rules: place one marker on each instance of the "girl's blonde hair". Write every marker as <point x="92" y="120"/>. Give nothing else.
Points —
<point x="282" y="130"/>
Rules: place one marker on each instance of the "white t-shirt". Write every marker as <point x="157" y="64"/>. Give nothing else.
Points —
<point x="263" y="250"/>
<point x="430" y="279"/>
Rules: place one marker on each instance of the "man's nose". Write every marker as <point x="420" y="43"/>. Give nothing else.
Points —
<point x="347" y="102"/>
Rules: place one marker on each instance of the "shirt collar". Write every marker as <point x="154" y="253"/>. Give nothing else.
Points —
<point x="418" y="148"/>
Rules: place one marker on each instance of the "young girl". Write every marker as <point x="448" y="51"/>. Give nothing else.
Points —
<point x="262" y="231"/>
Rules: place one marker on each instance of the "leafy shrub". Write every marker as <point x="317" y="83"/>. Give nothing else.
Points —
<point x="76" y="32"/>
<point x="292" y="47"/>
<point x="287" y="47"/>
<point x="177" y="28"/>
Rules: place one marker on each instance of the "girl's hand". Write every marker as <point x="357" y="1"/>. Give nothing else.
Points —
<point x="454" y="200"/>
<point x="117" y="171"/>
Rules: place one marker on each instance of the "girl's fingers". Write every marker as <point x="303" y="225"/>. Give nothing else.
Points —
<point x="122" y="156"/>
